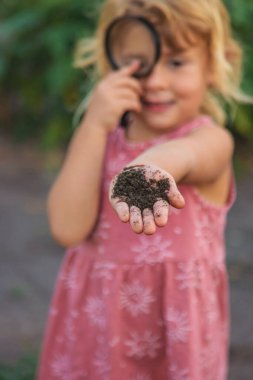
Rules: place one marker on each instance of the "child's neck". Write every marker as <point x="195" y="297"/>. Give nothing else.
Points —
<point x="139" y="132"/>
<point x="135" y="134"/>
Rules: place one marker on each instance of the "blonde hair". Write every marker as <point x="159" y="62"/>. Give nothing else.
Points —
<point x="180" y="23"/>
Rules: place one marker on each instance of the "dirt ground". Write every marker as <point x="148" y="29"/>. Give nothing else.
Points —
<point x="30" y="259"/>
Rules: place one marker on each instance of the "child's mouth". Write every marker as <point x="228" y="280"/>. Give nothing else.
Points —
<point x="157" y="106"/>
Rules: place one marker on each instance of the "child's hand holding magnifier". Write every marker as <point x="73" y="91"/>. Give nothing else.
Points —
<point x="118" y="92"/>
<point x="132" y="47"/>
<point x="130" y="39"/>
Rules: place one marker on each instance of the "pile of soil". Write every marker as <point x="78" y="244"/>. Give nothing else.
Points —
<point x="135" y="189"/>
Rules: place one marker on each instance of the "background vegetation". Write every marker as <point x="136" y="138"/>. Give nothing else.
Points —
<point x="23" y="369"/>
<point x="39" y="86"/>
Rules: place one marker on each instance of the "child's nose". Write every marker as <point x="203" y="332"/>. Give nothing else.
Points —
<point x="157" y="79"/>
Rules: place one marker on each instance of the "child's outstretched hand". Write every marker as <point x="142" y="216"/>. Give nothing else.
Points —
<point x="141" y="195"/>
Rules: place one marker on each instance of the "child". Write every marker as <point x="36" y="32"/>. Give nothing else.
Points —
<point x="148" y="299"/>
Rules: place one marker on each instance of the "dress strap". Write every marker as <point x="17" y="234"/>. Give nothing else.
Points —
<point x="200" y="121"/>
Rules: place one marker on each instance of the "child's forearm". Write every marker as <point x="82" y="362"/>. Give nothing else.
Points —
<point x="74" y="198"/>
<point x="197" y="158"/>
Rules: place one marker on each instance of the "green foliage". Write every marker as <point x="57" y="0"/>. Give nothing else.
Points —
<point x="24" y="369"/>
<point x="39" y="86"/>
<point x="40" y="89"/>
<point x="242" y="15"/>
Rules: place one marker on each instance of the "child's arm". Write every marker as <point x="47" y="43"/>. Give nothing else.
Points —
<point x="74" y="197"/>
<point x="73" y="201"/>
<point x="202" y="158"/>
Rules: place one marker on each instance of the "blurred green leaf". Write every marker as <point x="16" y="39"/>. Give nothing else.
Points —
<point x="39" y="86"/>
<point x="23" y="369"/>
<point x="19" y="23"/>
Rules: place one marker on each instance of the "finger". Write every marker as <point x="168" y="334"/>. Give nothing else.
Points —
<point x="130" y="69"/>
<point x="126" y="93"/>
<point x="122" y="210"/>
<point x="149" y="227"/>
<point x="136" y="219"/>
<point x="129" y="105"/>
<point x="134" y="106"/>
<point x="130" y="83"/>
<point x="161" y="212"/>
<point x="174" y="196"/>
<point x="118" y="205"/>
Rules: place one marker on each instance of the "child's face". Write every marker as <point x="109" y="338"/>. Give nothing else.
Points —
<point x="174" y="91"/>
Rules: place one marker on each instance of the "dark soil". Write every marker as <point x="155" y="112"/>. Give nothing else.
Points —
<point x="135" y="189"/>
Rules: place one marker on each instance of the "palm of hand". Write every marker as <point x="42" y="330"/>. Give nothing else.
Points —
<point x="141" y="195"/>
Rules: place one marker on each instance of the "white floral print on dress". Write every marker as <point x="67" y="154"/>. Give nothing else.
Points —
<point x="61" y="366"/>
<point x="96" y="312"/>
<point x="152" y="250"/>
<point x="63" y="369"/>
<point x="177" y="373"/>
<point x="190" y="275"/>
<point x="69" y="329"/>
<point x="178" y="230"/>
<point x="178" y="327"/>
<point x="114" y="341"/>
<point x="103" y="269"/>
<point x="211" y="308"/>
<point x="135" y="298"/>
<point x="102" y="229"/>
<point x="102" y="362"/>
<point x="204" y="230"/>
<point x="70" y="280"/>
<point x="143" y="345"/>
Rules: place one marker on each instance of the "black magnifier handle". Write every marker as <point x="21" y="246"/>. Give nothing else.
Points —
<point x="125" y="120"/>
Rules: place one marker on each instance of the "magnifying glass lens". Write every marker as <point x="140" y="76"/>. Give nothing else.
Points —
<point x="131" y="39"/>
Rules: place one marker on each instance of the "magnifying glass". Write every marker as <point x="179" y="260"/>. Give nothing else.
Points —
<point x="130" y="38"/>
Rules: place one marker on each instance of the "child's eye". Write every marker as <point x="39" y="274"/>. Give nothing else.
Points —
<point x="176" y="63"/>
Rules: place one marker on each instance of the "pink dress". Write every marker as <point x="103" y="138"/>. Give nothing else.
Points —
<point x="137" y="307"/>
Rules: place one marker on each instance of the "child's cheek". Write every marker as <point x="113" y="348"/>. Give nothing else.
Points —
<point x="190" y="87"/>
